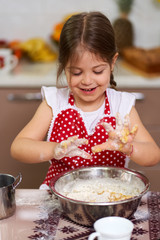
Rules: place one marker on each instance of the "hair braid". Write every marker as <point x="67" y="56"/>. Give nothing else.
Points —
<point x="113" y="83"/>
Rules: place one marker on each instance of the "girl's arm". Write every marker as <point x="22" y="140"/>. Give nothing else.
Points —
<point x="145" y="150"/>
<point x="132" y="139"/>
<point x="29" y="145"/>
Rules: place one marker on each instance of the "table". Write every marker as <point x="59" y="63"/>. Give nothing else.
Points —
<point x="38" y="217"/>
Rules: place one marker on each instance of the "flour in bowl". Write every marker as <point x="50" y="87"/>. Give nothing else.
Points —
<point x="102" y="189"/>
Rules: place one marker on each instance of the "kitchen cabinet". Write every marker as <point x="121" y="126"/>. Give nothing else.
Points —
<point x="148" y="109"/>
<point x="14" y="115"/>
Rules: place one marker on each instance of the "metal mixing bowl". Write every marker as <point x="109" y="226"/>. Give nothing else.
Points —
<point x="86" y="213"/>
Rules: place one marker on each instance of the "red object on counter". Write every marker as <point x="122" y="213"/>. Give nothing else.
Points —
<point x="1" y="62"/>
<point x="3" y="43"/>
<point x="15" y="46"/>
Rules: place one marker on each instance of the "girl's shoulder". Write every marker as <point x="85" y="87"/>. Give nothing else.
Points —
<point x="120" y="95"/>
<point x="120" y="101"/>
<point x="55" y="96"/>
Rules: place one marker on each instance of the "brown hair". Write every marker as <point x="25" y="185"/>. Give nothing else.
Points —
<point x="91" y="30"/>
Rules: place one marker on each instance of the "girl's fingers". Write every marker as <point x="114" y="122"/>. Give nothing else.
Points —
<point x="81" y="141"/>
<point x="109" y="145"/>
<point x="120" y="139"/>
<point x="73" y="141"/>
<point x="110" y="130"/>
<point x="66" y="143"/>
<point x="127" y="121"/>
<point x="78" y="152"/>
<point x="119" y="123"/>
<point x="124" y="148"/>
<point x="134" y="130"/>
<point x="59" y="152"/>
<point x="107" y="127"/>
<point x="69" y="148"/>
<point x="129" y="136"/>
<point x="99" y="148"/>
<point x="114" y="135"/>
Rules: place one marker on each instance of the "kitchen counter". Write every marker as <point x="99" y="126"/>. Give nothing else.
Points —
<point x="35" y="75"/>
<point x="30" y="75"/>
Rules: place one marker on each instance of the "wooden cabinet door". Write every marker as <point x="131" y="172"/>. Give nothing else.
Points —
<point x="14" y="115"/>
<point x="149" y="110"/>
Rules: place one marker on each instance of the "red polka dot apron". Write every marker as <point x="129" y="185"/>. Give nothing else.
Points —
<point x="69" y="123"/>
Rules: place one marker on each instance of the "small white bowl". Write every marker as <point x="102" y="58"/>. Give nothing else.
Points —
<point x="112" y="228"/>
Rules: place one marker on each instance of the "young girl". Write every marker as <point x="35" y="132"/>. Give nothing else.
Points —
<point x="88" y="123"/>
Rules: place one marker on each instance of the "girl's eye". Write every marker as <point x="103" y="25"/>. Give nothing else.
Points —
<point x="76" y="74"/>
<point x="98" y="72"/>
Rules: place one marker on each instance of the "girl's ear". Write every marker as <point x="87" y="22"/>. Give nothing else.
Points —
<point x="114" y="59"/>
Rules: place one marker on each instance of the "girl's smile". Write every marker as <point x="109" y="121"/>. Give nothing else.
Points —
<point x="89" y="90"/>
<point x="88" y="77"/>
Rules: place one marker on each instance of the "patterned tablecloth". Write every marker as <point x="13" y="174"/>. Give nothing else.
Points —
<point x="56" y="226"/>
<point x="38" y="217"/>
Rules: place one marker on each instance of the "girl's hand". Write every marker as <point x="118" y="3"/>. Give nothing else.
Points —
<point x="69" y="148"/>
<point x="120" y="139"/>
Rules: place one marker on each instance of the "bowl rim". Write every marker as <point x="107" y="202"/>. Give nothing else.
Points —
<point x="61" y="196"/>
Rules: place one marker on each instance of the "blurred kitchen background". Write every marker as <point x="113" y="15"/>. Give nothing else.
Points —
<point x="31" y="30"/>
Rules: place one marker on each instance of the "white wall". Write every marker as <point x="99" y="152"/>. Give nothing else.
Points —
<point x="24" y="19"/>
<point x="145" y="16"/>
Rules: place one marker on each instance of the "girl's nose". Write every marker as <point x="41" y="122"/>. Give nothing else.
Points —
<point x="87" y="80"/>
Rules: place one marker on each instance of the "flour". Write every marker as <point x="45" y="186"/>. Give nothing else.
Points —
<point x="102" y="189"/>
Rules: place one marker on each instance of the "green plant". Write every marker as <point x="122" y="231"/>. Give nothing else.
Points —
<point x="124" y="5"/>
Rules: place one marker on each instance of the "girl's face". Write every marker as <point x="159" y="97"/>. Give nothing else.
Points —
<point x="88" y="77"/>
